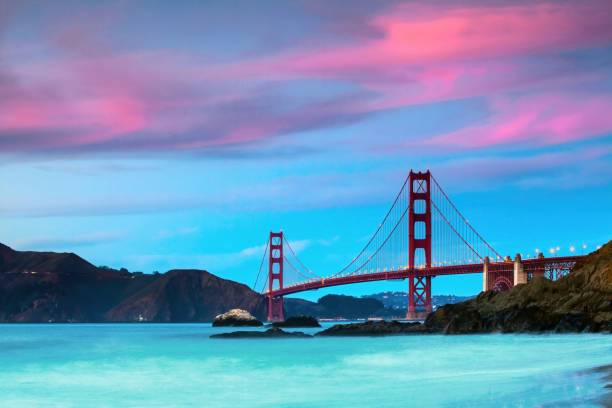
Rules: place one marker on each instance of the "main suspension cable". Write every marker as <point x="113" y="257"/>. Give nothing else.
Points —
<point x="261" y="266"/>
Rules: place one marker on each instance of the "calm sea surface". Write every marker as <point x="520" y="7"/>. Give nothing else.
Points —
<point x="139" y="365"/>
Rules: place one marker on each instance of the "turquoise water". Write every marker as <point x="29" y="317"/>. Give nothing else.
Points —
<point x="178" y="365"/>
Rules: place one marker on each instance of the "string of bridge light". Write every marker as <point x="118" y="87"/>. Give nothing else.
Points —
<point x="555" y="250"/>
<point x="571" y="248"/>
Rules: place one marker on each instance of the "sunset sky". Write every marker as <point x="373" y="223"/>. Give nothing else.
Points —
<point x="155" y="135"/>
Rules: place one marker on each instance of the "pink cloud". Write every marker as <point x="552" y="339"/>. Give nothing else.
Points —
<point x="85" y="95"/>
<point x="535" y="120"/>
<point x="423" y="47"/>
<point x="579" y="167"/>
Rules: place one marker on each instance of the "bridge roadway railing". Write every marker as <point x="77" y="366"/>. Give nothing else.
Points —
<point x="531" y="266"/>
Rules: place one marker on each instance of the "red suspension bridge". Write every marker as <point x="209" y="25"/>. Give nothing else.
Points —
<point x="423" y="235"/>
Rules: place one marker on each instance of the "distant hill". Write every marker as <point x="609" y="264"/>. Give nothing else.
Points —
<point x="336" y="306"/>
<point x="399" y="300"/>
<point x="384" y="304"/>
<point x="63" y="287"/>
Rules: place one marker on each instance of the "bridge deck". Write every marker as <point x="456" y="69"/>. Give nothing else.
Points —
<point x="530" y="265"/>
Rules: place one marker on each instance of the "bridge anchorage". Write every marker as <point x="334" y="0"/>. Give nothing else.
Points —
<point x="423" y="235"/>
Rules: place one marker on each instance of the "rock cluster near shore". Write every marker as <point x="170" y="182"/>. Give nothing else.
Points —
<point x="236" y="317"/>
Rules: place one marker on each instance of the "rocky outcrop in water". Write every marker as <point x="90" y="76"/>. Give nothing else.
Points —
<point x="298" y="321"/>
<point x="273" y="332"/>
<point x="374" y="328"/>
<point x="236" y="317"/>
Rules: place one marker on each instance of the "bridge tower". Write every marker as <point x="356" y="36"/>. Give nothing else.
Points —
<point x="419" y="242"/>
<point x="275" y="274"/>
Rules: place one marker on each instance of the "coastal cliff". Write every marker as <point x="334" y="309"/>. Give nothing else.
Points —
<point x="581" y="301"/>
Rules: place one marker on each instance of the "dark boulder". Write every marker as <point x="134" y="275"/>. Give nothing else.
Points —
<point x="298" y="321"/>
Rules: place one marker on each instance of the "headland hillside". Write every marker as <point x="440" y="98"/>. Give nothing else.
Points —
<point x="41" y="287"/>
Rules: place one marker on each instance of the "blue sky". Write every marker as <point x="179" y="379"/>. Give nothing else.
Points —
<point x="152" y="136"/>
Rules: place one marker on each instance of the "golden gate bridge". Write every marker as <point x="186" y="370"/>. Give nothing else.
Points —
<point x="423" y="235"/>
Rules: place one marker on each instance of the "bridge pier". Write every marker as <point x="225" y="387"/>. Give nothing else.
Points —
<point x="419" y="297"/>
<point x="538" y="271"/>
<point x="519" y="271"/>
<point x="485" y="274"/>
<point x="276" y="311"/>
<point x="419" y="239"/>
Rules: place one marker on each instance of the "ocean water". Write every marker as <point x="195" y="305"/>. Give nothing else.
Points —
<point x="159" y="365"/>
